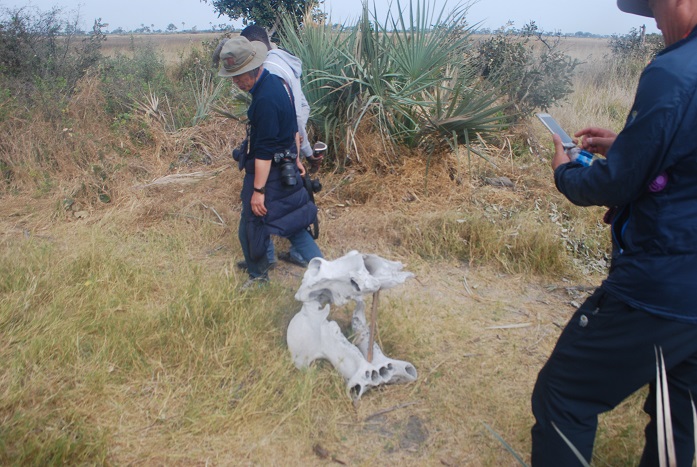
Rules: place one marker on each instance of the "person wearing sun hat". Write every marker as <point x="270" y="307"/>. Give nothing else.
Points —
<point x="239" y="56"/>
<point x="269" y="206"/>
<point x="636" y="7"/>
<point x="289" y="68"/>
<point x="647" y="305"/>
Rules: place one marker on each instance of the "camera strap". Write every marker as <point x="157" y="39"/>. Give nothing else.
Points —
<point x="314" y="228"/>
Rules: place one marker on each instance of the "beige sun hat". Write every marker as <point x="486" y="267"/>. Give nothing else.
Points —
<point x="637" y="7"/>
<point x="239" y="56"/>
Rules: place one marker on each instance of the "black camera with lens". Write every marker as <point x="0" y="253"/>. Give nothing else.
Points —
<point x="240" y="150"/>
<point x="288" y="166"/>
<point x="240" y="153"/>
<point x="312" y="186"/>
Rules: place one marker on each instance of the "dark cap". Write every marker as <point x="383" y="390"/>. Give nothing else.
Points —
<point x="637" y="7"/>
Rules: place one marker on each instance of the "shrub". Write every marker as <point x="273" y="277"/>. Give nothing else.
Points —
<point x="635" y="49"/>
<point x="43" y="49"/>
<point x="405" y="78"/>
<point x="179" y="95"/>
<point x="129" y="77"/>
<point x="528" y="67"/>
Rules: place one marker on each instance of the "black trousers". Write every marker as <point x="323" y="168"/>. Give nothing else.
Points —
<point x="605" y="353"/>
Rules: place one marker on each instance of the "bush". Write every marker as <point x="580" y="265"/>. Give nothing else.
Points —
<point x="129" y="78"/>
<point x="635" y="49"/>
<point x="528" y="67"/>
<point x="43" y="49"/>
<point x="405" y="78"/>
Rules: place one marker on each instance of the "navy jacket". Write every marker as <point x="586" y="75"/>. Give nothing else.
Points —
<point x="654" y="265"/>
<point x="273" y="125"/>
<point x="272" y="118"/>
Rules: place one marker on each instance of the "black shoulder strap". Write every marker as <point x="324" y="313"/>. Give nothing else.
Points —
<point x="314" y="228"/>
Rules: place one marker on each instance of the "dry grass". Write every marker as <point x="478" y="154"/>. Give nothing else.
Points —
<point x="124" y="338"/>
<point x="173" y="47"/>
<point x="138" y="338"/>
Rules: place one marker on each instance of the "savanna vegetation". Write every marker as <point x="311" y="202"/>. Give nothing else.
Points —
<point x="124" y="337"/>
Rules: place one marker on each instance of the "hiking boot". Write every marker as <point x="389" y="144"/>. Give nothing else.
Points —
<point x="293" y="258"/>
<point x="255" y="283"/>
<point x="242" y="265"/>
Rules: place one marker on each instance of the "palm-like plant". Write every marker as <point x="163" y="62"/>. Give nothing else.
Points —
<point x="408" y="77"/>
<point x="325" y="52"/>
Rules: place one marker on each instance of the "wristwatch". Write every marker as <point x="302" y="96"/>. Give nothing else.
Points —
<point x="261" y="190"/>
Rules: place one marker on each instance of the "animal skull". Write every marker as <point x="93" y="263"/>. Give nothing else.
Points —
<point x="311" y="336"/>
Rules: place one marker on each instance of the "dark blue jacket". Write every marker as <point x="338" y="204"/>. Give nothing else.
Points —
<point x="272" y="118"/>
<point x="273" y="125"/>
<point x="654" y="265"/>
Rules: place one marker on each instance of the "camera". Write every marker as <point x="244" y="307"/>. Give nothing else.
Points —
<point x="288" y="166"/>
<point x="240" y="150"/>
<point x="312" y="186"/>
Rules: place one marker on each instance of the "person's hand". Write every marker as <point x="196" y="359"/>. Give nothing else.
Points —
<point x="300" y="165"/>
<point x="596" y="140"/>
<point x="318" y="150"/>
<point x="560" y="156"/>
<point x="315" y="161"/>
<point x="258" y="207"/>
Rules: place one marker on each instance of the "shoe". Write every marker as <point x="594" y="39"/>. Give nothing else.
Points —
<point x="292" y="259"/>
<point x="242" y="265"/>
<point x="255" y="283"/>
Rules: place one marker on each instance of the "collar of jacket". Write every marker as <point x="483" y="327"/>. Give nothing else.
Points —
<point x="261" y="78"/>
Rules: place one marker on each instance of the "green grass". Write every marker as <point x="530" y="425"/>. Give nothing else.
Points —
<point x="82" y="326"/>
<point x="113" y="334"/>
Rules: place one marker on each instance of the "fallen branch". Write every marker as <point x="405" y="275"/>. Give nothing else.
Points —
<point x="511" y="326"/>
<point x="189" y="216"/>
<point x="193" y="177"/>
<point x="391" y="409"/>
<point x="222" y="222"/>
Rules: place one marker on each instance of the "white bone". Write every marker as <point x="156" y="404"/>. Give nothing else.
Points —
<point x="311" y="336"/>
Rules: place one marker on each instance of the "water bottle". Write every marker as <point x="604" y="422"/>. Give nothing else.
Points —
<point x="580" y="156"/>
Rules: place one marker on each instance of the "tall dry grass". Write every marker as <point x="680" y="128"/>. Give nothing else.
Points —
<point x="603" y="92"/>
<point x="173" y="47"/>
<point x="124" y="337"/>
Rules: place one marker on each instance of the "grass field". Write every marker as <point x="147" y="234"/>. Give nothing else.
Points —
<point x="125" y="340"/>
<point x="173" y="47"/>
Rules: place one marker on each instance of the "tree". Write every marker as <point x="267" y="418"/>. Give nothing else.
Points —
<point x="171" y="27"/>
<point x="266" y="13"/>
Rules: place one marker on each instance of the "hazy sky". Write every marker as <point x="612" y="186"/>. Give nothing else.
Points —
<point x="568" y="16"/>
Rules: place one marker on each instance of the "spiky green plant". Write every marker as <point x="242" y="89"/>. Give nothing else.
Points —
<point x="206" y="91"/>
<point x="324" y="52"/>
<point x="438" y="92"/>
<point x="407" y="77"/>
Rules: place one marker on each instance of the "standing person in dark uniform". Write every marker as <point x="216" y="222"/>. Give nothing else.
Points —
<point x="649" y="299"/>
<point x="289" y="68"/>
<point x="274" y="199"/>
